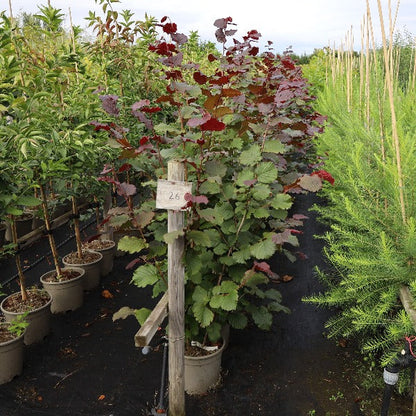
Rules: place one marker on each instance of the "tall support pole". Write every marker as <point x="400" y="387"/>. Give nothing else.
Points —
<point x="176" y="285"/>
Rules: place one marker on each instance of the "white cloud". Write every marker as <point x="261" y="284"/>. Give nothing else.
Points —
<point x="304" y="24"/>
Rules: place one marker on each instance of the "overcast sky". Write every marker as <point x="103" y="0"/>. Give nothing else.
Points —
<point x="302" y="24"/>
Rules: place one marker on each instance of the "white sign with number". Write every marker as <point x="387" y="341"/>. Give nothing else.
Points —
<point x="171" y="194"/>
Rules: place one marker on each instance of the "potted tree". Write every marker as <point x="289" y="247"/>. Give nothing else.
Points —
<point x="244" y="133"/>
<point x="11" y="349"/>
<point x="34" y="303"/>
<point x="84" y="157"/>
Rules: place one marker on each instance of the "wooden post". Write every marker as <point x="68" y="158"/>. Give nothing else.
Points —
<point x="176" y="285"/>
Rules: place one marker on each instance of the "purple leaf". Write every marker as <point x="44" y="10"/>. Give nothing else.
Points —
<point x="198" y="121"/>
<point x="139" y="104"/>
<point x="281" y="238"/>
<point x="109" y="103"/>
<point x="127" y="189"/>
<point x="221" y="23"/>
<point x="141" y="117"/>
<point x="179" y="38"/>
<point x="220" y="36"/>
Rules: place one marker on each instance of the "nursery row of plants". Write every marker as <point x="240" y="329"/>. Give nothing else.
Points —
<point x="82" y="117"/>
<point x="370" y="146"/>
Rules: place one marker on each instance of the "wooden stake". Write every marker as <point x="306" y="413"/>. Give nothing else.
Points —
<point x="176" y="285"/>
<point x="49" y="231"/>
<point x="396" y="142"/>
<point x="78" y="238"/>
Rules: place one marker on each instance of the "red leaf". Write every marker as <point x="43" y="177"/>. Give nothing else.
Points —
<point x="230" y="92"/>
<point x="324" y="175"/>
<point x="200" y="78"/>
<point x="170" y="28"/>
<point x="213" y="125"/>
<point x="144" y="140"/>
<point x="263" y="267"/>
<point x="151" y="109"/>
<point x="164" y="18"/>
<point x="197" y="199"/>
<point x="212" y="57"/>
<point x="132" y="263"/>
<point x="124" y="167"/>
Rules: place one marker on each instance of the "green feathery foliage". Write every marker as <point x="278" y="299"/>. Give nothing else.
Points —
<point x="370" y="248"/>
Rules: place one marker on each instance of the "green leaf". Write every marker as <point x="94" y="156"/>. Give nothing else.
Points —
<point x="263" y="249"/>
<point x="261" y="213"/>
<point x="198" y="238"/>
<point x="281" y="201"/>
<point x="261" y="192"/>
<point x="225" y="296"/>
<point x="142" y="314"/>
<point x="245" y="175"/>
<point x="124" y="313"/>
<point x="277" y="307"/>
<point x="202" y="314"/>
<point x="170" y="238"/>
<point x="210" y="187"/>
<point x="187" y="111"/>
<point x="212" y="215"/>
<point x="14" y="211"/>
<point x="200" y="295"/>
<point x="156" y="248"/>
<point x="262" y="317"/>
<point x="242" y="256"/>
<point x="274" y="146"/>
<point x="273" y="294"/>
<point x="145" y="275"/>
<point x="237" y="143"/>
<point x="220" y="249"/>
<point x="28" y="201"/>
<point x="215" y="168"/>
<point x="132" y="244"/>
<point x="214" y="331"/>
<point x="266" y="172"/>
<point x="225" y="210"/>
<point x="250" y="156"/>
<point x="237" y="320"/>
<point x="163" y="128"/>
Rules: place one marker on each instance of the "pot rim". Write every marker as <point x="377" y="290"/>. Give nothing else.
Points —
<point x="78" y="269"/>
<point x="30" y="311"/>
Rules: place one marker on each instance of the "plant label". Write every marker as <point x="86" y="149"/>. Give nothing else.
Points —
<point x="171" y="194"/>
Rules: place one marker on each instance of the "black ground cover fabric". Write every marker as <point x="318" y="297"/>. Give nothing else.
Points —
<point x="88" y="365"/>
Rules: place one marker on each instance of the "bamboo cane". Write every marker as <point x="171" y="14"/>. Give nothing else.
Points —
<point x="396" y="142"/>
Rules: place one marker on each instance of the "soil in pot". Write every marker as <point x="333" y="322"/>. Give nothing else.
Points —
<point x="11" y="354"/>
<point x="202" y="369"/>
<point x="67" y="292"/>
<point x="108" y="249"/>
<point x="90" y="263"/>
<point x="38" y="305"/>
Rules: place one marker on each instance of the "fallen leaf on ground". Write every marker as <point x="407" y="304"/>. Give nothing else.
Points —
<point x="107" y="294"/>
<point x="101" y="397"/>
<point x="287" y="278"/>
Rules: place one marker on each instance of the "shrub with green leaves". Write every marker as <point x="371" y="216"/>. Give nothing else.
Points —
<point x="245" y="135"/>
